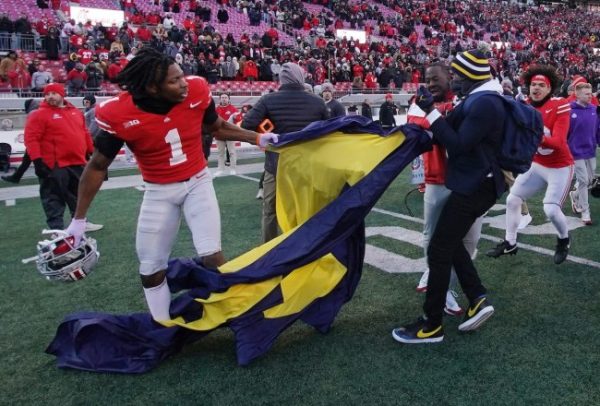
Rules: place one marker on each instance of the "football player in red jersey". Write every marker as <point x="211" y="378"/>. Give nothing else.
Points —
<point x="160" y="117"/>
<point x="552" y="164"/>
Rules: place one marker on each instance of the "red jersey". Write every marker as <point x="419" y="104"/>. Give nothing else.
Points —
<point x="435" y="161"/>
<point x="226" y="111"/>
<point x="168" y="148"/>
<point x="554" y="151"/>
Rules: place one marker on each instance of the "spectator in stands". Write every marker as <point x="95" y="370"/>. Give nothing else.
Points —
<point x="227" y="69"/>
<point x="334" y="107"/>
<point x="58" y="122"/>
<point x="7" y="64"/>
<point x="6" y="30"/>
<point x="281" y="109"/>
<point x="65" y="35"/>
<point x="222" y="15"/>
<point x="71" y="62"/>
<point x="40" y="79"/>
<point x="95" y="76"/>
<point x="168" y="22"/>
<point x="250" y="71"/>
<point x="76" y="80"/>
<point x="143" y="34"/>
<point x="23" y="32"/>
<point x="275" y="69"/>
<point x="52" y="44"/>
<point x="117" y="47"/>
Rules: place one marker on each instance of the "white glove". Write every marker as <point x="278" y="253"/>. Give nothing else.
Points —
<point x="262" y="140"/>
<point x="76" y="229"/>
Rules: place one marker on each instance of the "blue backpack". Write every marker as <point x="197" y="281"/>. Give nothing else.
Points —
<point x="523" y="132"/>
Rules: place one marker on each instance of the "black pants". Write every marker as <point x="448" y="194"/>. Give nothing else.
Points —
<point x="23" y="167"/>
<point x="446" y="249"/>
<point x="57" y="191"/>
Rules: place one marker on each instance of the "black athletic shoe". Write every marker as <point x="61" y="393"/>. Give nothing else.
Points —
<point x="562" y="250"/>
<point x="477" y="313"/>
<point x="10" y="178"/>
<point x="504" y="248"/>
<point x="419" y="332"/>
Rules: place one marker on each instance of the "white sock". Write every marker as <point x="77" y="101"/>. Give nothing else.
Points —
<point x="159" y="300"/>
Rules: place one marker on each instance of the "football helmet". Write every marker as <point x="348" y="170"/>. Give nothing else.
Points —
<point x="58" y="259"/>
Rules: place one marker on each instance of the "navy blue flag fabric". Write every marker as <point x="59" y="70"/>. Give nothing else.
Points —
<point x="135" y="343"/>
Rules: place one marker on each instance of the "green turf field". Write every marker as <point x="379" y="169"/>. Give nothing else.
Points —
<point x="540" y="347"/>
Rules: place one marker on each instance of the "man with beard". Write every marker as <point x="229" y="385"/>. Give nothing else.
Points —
<point x="552" y="165"/>
<point x="334" y="107"/>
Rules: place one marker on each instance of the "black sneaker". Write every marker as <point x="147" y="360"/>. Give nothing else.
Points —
<point x="562" y="250"/>
<point x="504" y="248"/>
<point x="477" y="313"/>
<point x="418" y="332"/>
<point x="9" y="178"/>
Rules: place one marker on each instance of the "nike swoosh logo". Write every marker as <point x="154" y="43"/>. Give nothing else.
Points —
<point x="509" y="251"/>
<point x="194" y="105"/>
<point x="422" y="334"/>
<point x="473" y="310"/>
<point x="548" y="111"/>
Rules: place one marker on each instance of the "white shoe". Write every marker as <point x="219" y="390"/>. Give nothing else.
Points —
<point x="524" y="222"/>
<point x="260" y="194"/>
<point x="90" y="227"/>
<point x="586" y="218"/>
<point x="422" y="286"/>
<point x="452" y="307"/>
<point x="218" y="173"/>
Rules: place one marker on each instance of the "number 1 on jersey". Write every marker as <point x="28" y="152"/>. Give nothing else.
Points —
<point x="177" y="155"/>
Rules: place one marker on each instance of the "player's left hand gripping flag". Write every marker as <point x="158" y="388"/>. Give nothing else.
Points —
<point x="329" y="177"/>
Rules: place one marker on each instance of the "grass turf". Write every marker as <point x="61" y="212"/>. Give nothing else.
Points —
<point x="540" y="347"/>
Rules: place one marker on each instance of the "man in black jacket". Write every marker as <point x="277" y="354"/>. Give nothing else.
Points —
<point x="387" y="111"/>
<point x="475" y="180"/>
<point x="281" y="108"/>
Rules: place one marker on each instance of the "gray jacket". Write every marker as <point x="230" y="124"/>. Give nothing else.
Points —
<point x="289" y="109"/>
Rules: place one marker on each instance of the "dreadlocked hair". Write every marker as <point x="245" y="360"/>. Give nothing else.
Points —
<point x="148" y="67"/>
<point x="546" y="70"/>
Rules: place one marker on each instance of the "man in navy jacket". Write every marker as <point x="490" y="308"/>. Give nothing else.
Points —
<point x="471" y="139"/>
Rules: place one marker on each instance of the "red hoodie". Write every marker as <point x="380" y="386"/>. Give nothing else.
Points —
<point x="58" y="135"/>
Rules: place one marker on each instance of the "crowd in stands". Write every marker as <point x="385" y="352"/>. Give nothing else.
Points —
<point x="404" y="37"/>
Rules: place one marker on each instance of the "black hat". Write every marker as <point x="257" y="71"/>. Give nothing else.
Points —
<point x="91" y="98"/>
<point x="473" y="64"/>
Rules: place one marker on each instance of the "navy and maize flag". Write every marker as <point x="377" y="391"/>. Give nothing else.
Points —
<point x="329" y="177"/>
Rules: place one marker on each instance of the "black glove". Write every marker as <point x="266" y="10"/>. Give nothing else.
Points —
<point x="424" y="99"/>
<point x="41" y="169"/>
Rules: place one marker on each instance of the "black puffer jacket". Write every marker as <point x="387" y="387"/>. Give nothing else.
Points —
<point x="291" y="108"/>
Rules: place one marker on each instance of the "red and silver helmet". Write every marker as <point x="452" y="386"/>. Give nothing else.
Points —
<point x="58" y="259"/>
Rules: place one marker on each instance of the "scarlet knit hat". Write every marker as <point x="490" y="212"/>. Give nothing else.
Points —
<point x="473" y="64"/>
<point x="56" y="88"/>
<point x="577" y="80"/>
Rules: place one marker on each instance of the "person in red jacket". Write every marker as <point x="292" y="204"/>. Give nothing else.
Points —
<point x="552" y="166"/>
<point x="58" y="143"/>
<point x="226" y="110"/>
<point x="250" y="71"/>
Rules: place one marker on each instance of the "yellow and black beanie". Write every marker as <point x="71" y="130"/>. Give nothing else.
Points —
<point x="472" y="65"/>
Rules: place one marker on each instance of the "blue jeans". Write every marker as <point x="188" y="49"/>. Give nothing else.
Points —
<point x="446" y="249"/>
